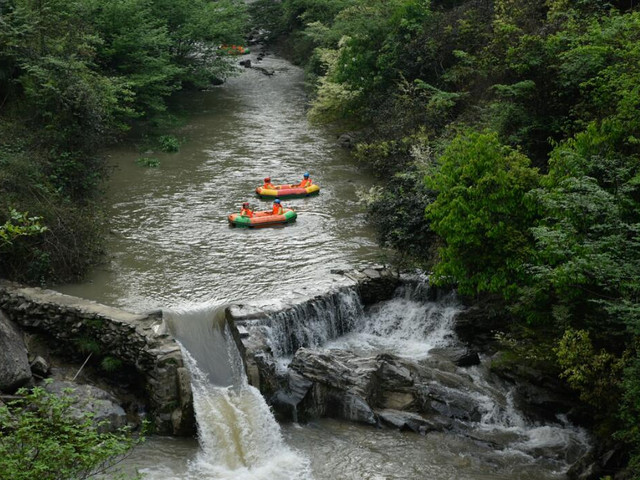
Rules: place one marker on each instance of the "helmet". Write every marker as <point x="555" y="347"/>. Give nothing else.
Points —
<point x="277" y="200"/>
<point x="245" y="204"/>
<point x="267" y="179"/>
<point x="306" y="175"/>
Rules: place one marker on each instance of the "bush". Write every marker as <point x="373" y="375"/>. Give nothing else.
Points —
<point x="169" y="143"/>
<point x="39" y="439"/>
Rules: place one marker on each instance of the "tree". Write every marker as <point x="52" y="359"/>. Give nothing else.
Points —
<point x="482" y="214"/>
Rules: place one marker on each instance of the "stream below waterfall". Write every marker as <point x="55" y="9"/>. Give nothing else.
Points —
<point x="170" y="247"/>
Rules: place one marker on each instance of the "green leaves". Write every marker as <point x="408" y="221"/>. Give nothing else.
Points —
<point x="482" y="214"/>
<point x="20" y="224"/>
<point x="40" y="438"/>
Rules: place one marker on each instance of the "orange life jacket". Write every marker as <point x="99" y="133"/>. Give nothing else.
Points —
<point x="306" y="182"/>
<point x="245" y="212"/>
<point x="277" y="209"/>
<point x="270" y="186"/>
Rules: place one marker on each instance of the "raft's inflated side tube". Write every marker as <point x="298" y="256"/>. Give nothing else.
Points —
<point x="287" y="191"/>
<point x="263" y="219"/>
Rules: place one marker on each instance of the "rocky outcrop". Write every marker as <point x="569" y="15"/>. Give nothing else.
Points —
<point x="14" y="363"/>
<point x="137" y="340"/>
<point x="106" y="414"/>
<point x="426" y="396"/>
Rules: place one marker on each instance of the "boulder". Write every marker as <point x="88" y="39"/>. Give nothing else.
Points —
<point x="14" y="362"/>
<point x="347" y="140"/>
<point x="108" y="416"/>
<point x="39" y="366"/>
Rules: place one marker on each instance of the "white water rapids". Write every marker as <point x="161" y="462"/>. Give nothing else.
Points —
<point x="239" y="439"/>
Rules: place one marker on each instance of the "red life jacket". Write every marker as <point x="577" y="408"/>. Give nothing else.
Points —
<point x="245" y="212"/>
<point x="277" y="209"/>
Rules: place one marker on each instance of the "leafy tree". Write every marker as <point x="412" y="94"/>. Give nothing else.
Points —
<point x="482" y="214"/>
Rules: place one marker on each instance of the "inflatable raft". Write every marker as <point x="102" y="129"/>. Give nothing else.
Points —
<point x="263" y="219"/>
<point x="287" y="191"/>
<point x="234" y="50"/>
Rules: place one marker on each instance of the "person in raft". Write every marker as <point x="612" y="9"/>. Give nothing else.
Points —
<point x="245" y="211"/>
<point x="277" y="207"/>
<point x="306" y="181"/>
<point x="268" y="184"/>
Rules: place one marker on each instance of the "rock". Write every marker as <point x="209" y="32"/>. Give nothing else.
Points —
<point x="14" y="362"/>
<point x="265" y="71"/>
<point x="150" y="357"/>
<point x="107" y="414"/>
<point x="542" y="395"/>
<point x="347" y="140"/>
<point x="461" y="356"/>
<point x="477" y="324"/>
<point x="356" y="409"/>
<point x="40" y="367"/>
<point x="468" y="359"/>
<point x="412" y="421"/>
<point x="245" y="63"/>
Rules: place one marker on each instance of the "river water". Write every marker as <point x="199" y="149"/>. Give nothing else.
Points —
<point x="170" y="247"/>
<point x="170" y="242"/>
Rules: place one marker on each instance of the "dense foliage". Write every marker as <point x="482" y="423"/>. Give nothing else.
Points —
<point x="74" y="75"/>
<point x="42" y="437"/>
<point x="515" y="127"/>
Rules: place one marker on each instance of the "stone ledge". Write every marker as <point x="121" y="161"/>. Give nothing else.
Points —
<point x="135" y="339"/>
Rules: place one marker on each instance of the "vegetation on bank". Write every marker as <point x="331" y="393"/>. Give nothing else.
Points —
<point x="41" y="436"/>
<point x="75" y="76"/>
<point x="507" y="134"/>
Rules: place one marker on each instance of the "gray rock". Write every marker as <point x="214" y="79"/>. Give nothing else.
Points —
<point x="107" y="414"/>
<point x="412" y="421"/>
<point x="347" y="140"/>
<point x="40" y="367"/>
<point x="14" y="362"/>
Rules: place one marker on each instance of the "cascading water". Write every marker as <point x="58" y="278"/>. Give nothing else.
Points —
<point x="314" y="323"/>
<point x="410" y="326"/>
<point x="238" y="436"/>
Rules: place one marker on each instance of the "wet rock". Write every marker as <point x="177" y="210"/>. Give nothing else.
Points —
<point x="541" y="394"/>
<point x="412" y="421"/>
<point x="476" y="325"/>
<point x="40" y="367"/>
<point x="267" y="72"/>
<point x="108" y="416"/>
<point x="356" y="409"/>
<point x="245" y="63"/>
<point x="347" y="140"/>
<point x="14" y="362"/>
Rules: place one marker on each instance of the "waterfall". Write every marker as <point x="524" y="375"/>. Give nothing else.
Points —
<point x="313" y="323"/>
<point x="239" y="437"/>
<point x="409" y="325"/>
<point x="417" y="320"/>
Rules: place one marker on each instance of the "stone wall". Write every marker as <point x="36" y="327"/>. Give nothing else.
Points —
<point x="135" y="339"/>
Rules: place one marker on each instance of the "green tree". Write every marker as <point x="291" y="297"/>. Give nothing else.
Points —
<point x="482" y="214"/>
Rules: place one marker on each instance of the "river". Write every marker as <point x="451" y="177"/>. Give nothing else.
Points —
<point x="170" y="247"/>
